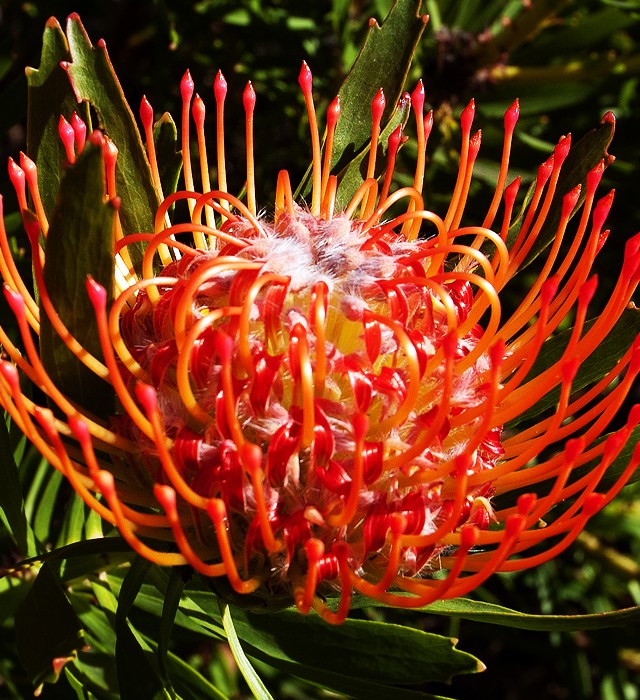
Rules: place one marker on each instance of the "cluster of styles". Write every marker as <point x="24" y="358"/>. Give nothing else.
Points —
<point x="307" y="404"/>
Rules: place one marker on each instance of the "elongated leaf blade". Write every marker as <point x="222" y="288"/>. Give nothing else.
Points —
<point x="93" y="79"/>
<point x="79" y="243"/>
<point x="49" y="96"/>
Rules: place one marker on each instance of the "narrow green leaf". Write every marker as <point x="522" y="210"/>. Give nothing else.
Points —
<point x="498" y="615"/>
<point x="50" y="95"/>
<point x="247" y="670"/>
<point x="355" y="172"/>
<point x="601" y="361"/>
<point x="383" y="62"/>
<point x="94" y="80"/>
<point x="169" y="610"/>
<point x="506" y="617"/>
<point x="136" y="676"/>
<point x="190" y="684"/>
<point x="11" y="499"/>
<point x="79" y="243"/>
<point x="79" y="689"/>
<point x="165" y="137"/>
<point x="47" y="628"/>
<point x="582" y="158"/>
<point x="47" y="500"/>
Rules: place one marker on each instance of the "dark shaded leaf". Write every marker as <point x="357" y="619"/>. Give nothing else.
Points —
<point x="11" y="500"/>
<point x="136" y="676"/>
<point x="47" y="628"/>
<point x="79" y="243"/>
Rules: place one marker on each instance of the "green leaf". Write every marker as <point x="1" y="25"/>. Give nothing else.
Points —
<point x="490" y="613"/>
<point x="371" y="651"/>
<point x="356" y="688"/>
<point x="94" y="80"/>
<point x="136" y="676"/>
<point x="498" y="615"/>
<point x="582" y="158"/>
<point x="190" y="684"/>
<point x="596" y="366"/>
<point x="50" y="95"/>
<point x="383" y="62"/>
<point x="355" y="172"/>
<point x="165" y="137"/>
<point x="47" y="628"/>
<point x="79" y="243"/>
<point x="247" y="670"/>
<point x="11" y="499"/>
<point x="81" y="692"/>
<point x="169" y="610"/>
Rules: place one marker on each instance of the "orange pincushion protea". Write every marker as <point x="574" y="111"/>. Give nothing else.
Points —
<point x="309" y="404"/>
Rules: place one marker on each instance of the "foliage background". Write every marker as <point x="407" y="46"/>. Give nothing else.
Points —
<point x="571" y="68"/>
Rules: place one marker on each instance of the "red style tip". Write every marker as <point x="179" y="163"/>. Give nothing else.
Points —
<point x="469" y="535"/>
<point x="474" y="144"/>
<point x="16" y="175"/>
<point x="220" y="87"/>
<point x="104" y="481"/>
<point x="593" y="503"/>
<point x="466" y="118"/>
<point x="97" y="293"/>
<point x="146" y="113"/>
<point x="147" y="397"/>
<point x="96" y="138"/>
<point x="305" y="79"/>
<point x="67" y="137"/>
<point x="417" y="97"/>
<point x="511" y="192"/>
<point x="602" y="210"/>
<point x="80" y="130"/>
<point x="199" y="111"/>
<point x="428" y="124"/>
<point x="109" y="152"/>
<point x="526" y="503"/>
<point x="594" y="176"/>
<point x="573" y="449"/>
<point x="249" y="98"/>
<point x="79" y="428"/>
<point x="16" y="302"/>
<point x="549" y="290"/>
<point x="166" y="497"/>
<point x="378" y="105"/>
<point x="333" y="112"/>
<point x="187" y="87"/>
<point x="588" y="289"/>
<point x="27" y="164"/>
<point x="569" y="201"/>
<point x="10" y="374"/>
<point x="395" y="138"/>
<point x="561" y="151"/>
<point x="511" y="116"/>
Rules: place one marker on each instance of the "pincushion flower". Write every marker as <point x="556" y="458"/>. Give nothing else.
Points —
<point x="317" y="401"/>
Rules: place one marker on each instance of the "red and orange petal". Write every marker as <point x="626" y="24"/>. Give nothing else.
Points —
<point x="309" y="404"/>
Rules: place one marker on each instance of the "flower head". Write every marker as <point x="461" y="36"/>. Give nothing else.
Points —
<point x="321" y="400"/>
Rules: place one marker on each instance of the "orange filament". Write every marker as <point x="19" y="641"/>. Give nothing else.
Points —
<point x="306" y="83"/>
